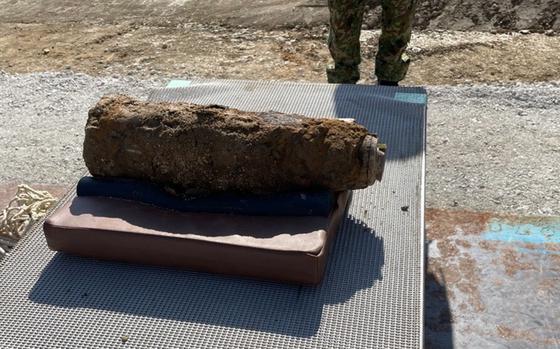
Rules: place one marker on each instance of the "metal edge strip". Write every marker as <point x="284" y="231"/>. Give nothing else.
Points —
<point x="422" y="223"/>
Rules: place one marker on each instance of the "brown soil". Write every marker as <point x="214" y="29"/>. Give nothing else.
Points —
<point x="477" y="15"/>
<point x="498" y="15"/>
<point x="195" y="50"/>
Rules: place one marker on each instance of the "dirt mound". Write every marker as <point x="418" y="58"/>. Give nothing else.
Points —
<point x="480" y="15"/>
<point x="477" y="15"/>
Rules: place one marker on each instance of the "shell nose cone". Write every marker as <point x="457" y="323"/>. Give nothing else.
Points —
<point x="373" y="157"/>
<point x="380" y="161"/>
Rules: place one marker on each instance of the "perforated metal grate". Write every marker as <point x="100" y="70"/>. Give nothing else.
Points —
<point x="371" y="297"/>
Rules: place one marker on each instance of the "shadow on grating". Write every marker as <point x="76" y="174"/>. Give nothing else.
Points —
<point x="373" y="110"/>
<point x="74" y="282"/>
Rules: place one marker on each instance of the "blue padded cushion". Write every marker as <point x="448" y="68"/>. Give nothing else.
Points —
<point x="297" y="203"/>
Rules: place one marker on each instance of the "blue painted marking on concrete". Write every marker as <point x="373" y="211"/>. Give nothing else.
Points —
<point x="178" y="83"/>
<point x="418" y="98"/>
<point x="523" y="233"/>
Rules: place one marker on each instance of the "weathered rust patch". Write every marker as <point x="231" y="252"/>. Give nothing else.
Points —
<point x="546" y="285"/>
<point x="509" y="333"/>
<point x="512" y="262"/>
<point x="440" y="272"/>
<point x="490" y="246"/>
<point x="441" y="223"/>
<point x="470" y="279"/>
<point x="453" y="268"/>
<point x="463" y="243"/>
<point x="460" y="252"/>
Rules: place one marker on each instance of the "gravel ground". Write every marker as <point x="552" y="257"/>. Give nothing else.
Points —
<point x="42" y="117"/>
<point x="491" y="148"/>
<point x="495" y="148"/>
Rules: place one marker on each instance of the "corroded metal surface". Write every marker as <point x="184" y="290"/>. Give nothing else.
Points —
<point x="211" y="148"/>
<point x="492" y="280"/>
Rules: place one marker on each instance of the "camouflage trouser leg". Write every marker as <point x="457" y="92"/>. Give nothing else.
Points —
<point x="344" y="40"/>
<point x="391" y="63"/>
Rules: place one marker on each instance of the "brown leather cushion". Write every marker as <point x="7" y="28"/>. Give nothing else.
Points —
<point x="289" y="249"/>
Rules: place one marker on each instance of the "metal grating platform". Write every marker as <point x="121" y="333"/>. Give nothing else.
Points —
<point x="371" y="297"/>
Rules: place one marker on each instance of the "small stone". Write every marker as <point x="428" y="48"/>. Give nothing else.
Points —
<point x="404" y="208"/>
<point x="124" y="339"/>
<point x="164" y="46"/>
<point x="46" y="51"/>
<point x="549" y="32"/>
<point x="525" y="31"/>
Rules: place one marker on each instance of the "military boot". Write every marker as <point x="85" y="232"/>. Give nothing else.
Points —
<point x="342" y="74"/>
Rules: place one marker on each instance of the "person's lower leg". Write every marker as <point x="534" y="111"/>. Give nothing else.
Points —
<point x="391" y="62"/>
<point x="344" y="40"/>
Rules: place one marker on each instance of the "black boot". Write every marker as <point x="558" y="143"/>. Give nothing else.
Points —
<point x="341" y="74"/>
<point x="387" y="83"/>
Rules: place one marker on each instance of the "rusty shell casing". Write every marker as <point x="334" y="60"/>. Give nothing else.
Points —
<point x="206" y="149"/>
